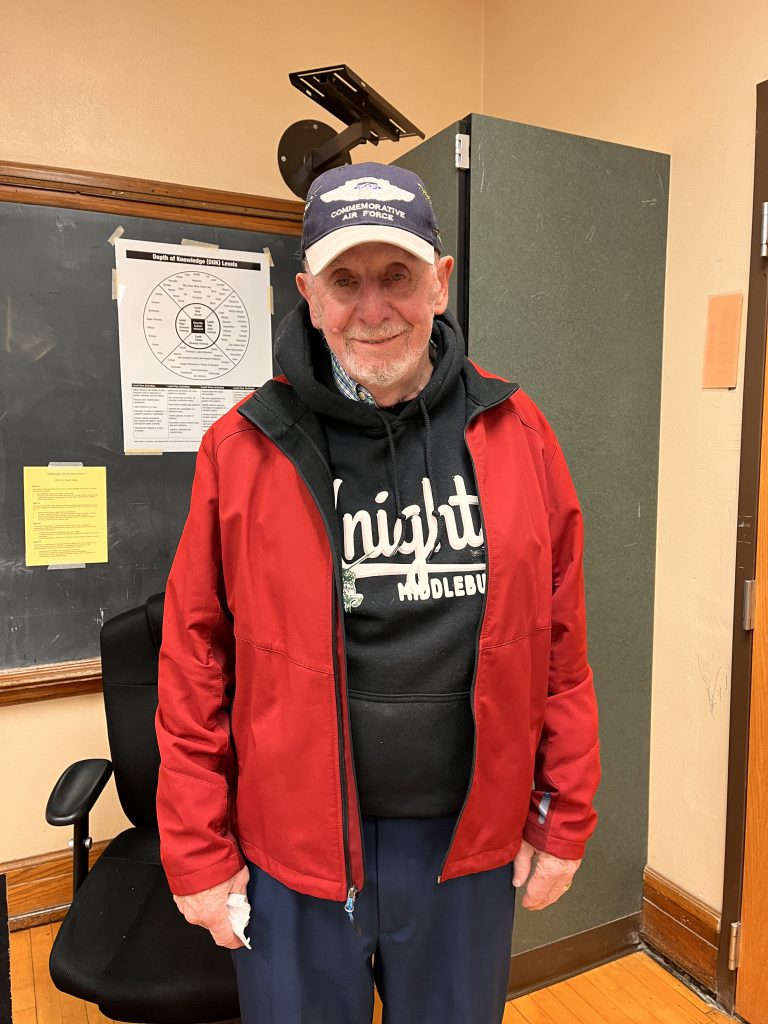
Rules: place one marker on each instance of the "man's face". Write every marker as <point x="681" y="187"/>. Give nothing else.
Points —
<point x="375" y="303"/>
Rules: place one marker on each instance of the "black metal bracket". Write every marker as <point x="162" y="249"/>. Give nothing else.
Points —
<point x="307" y="148"/>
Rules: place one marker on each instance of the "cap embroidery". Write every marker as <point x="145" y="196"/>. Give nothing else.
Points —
<point x="375" y="188"/>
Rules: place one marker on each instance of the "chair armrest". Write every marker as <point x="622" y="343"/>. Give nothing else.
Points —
<point x="77" y="790"/>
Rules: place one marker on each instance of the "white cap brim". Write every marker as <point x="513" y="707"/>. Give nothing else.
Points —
<point x="319" y="255"/>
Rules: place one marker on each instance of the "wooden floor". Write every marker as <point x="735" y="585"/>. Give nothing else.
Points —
<point x="632" y="990"/>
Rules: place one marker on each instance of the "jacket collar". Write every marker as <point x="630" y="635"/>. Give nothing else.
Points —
<point x="275" y="406"/>
<point x="483" y="390"/>
<point x="296" y="430"/>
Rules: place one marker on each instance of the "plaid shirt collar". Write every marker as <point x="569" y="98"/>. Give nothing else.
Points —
<point x="350" y="388"/>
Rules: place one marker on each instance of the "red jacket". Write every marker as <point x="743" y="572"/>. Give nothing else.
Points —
<point x="253" y="723"/>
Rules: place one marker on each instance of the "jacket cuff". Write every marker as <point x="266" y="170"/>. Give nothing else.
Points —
<point x="567" y="849"/>
<point x="206" y="878"/>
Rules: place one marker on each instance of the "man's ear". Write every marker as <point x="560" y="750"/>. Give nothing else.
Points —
<point x="443" y="269"/>
<point x="304" y="284"/>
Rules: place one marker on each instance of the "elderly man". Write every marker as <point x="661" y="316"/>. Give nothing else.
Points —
<point x="376" y="711"/>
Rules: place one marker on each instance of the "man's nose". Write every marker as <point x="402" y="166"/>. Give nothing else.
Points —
<point x="372" y="303"/>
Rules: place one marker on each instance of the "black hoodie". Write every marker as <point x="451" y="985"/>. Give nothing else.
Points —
<point x="413" y="580"/>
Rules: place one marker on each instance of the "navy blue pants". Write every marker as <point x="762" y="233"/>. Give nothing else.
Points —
<point x="441" y="951"/>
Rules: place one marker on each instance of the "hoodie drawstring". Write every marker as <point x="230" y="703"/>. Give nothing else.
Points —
<point x="398" y="500"/>
<point x="430" y="473"/>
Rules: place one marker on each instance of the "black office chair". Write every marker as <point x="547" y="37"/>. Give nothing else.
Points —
<point x="123" y="943"/>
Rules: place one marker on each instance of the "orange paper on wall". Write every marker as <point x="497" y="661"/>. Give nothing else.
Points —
<point x="721" y="352"/>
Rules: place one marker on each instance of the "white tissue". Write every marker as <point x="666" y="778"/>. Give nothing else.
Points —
<point x="239" y="910"/>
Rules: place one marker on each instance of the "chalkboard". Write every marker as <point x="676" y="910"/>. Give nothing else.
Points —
<point x="60" y="402"/>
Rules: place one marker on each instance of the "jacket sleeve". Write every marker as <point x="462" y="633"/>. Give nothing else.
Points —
<point x="196" y="678"/>
<point x="567" y="764"/>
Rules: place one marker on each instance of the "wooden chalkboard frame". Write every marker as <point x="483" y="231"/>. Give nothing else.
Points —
<point x="136" y="197"/>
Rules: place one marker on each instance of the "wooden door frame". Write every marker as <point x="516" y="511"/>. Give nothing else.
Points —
<point x="746" y="557"/>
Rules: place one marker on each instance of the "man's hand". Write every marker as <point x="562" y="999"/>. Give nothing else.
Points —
<point x="209" y="908"/>
<point x="550" y="879"/>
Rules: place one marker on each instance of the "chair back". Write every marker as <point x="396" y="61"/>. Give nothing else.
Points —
<point x="130" y="648"/>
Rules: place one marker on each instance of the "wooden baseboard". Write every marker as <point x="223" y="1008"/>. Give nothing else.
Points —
<point x="673" y="923"/>
<point x="681" y="928"/>
<point x="40" y="888"/>
<point x="573" y="955"/>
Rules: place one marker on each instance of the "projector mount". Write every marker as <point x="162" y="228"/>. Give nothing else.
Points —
<point x="307" y="148"/>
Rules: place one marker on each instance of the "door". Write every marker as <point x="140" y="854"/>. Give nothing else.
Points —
<point x="752" y="977"/>
<point x="742" y="979"/>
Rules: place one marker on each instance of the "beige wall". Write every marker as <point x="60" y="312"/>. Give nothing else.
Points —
<point x="167" y="90"/>
<point x="197" y="92"/>
<point x="37" y="742"/>
<point x="679" y="78"/>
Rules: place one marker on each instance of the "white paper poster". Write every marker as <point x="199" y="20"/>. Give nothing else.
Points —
<point x="195" y="337"/>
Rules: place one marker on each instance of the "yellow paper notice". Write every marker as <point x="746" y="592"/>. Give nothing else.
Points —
<point x="65" y="514"/>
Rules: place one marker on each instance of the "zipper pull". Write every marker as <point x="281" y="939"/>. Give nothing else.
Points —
<point x="349" y="906"/>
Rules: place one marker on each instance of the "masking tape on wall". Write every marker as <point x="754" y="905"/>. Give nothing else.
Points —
<point x="200" y="245"/>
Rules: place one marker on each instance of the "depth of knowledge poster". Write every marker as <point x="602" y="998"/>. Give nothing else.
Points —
<point x="195" y="337"/>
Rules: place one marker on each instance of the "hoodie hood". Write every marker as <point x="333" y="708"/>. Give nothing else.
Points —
<point x="303" y="356"/>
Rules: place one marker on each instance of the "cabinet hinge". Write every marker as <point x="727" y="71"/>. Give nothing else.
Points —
<point x="734" y="947"/>
<point x="462" y="151"/>
<point x="764" y="232"/>
<point x="748" y="616"/>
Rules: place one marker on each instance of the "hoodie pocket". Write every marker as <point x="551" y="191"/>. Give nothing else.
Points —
<point x="413" y="752"/>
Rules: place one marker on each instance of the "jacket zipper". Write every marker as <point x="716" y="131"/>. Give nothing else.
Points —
<point x="477" y="635"/>
<point x="352" y="889"/>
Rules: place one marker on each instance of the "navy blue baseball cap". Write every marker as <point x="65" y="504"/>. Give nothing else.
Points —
<point x="359" y="203"/>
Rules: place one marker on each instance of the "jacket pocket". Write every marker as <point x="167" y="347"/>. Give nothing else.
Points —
<point x="413" y="752"/>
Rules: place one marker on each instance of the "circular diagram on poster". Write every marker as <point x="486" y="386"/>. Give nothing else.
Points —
<point x="196" y="325"/>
